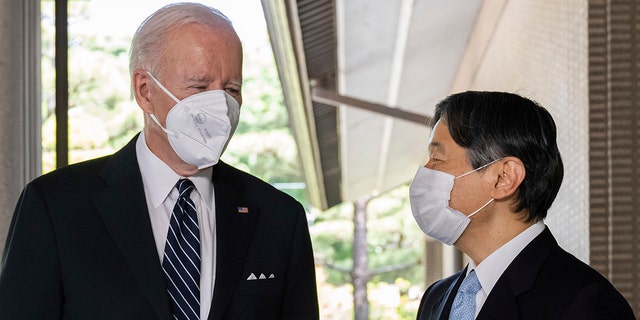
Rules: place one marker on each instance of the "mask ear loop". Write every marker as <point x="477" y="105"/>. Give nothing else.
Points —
<point x="163" y="88"/>
<point x="167" y="131"/>
<point x="474" y="213"/>
<point x="479" y="168"/>
<point x="474" y="170"/>
<point x="153" y="116"/>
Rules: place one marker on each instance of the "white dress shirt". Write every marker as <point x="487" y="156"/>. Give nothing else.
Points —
<point x="159" y="187"/>
<point x="492" y="267"/>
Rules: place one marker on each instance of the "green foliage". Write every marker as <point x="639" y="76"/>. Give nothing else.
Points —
<point x="102" y="118"/>
<point x="263" y="144"/>
<point x="393" y="239"/>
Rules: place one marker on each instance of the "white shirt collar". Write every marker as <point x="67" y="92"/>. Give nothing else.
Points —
<point x="492" y="267"/>
<point x="160" y="179"/>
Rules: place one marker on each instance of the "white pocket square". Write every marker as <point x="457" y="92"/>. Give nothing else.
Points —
<point x="261" y="277"/>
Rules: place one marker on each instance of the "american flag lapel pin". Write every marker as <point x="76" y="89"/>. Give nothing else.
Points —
<point x="243" y="210"/>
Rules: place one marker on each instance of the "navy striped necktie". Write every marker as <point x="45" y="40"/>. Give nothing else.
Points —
<point x="181" y="263"/>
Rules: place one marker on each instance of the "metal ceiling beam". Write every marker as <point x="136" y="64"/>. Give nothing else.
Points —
<point x="331" y="98"/>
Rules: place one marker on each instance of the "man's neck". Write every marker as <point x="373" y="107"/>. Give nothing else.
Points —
<point x="162" y="149"/>
<point x="486" y="235"/>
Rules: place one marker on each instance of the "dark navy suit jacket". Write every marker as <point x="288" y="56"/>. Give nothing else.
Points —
<point x="80" y="246"/>
<point x="542" y="282"/>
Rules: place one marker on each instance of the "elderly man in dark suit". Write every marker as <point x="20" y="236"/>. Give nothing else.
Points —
<point x="162" y="229"/>
<point x="493" y="172"/>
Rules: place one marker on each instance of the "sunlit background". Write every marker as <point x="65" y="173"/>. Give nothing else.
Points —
<point x="103" y="117"/>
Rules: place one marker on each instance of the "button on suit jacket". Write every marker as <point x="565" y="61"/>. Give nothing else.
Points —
<point x="80" y="246"/>
<point x="542" y="282"/>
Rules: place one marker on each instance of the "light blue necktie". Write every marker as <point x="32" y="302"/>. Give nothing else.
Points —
<point x="464" y="305"/>
<point x="181" y="263"/>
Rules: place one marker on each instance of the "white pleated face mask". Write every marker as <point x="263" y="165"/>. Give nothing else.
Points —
<point x="429" y="195"/>
<point x="200" y="126"/>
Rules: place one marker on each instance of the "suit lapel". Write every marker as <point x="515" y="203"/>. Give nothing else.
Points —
<point x="123" y="208"/>
<point x="436" y="302"/>
<point x="518" y="278"/>
<point x="444" y="309"/>
<point x="235" y="219"/>
<point x="501" y="303"/>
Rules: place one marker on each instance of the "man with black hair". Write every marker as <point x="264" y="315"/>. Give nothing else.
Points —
<point x="493" y="172"/>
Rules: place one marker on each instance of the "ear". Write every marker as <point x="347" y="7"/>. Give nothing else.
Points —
<point x="511" y="173"/>
<point x="141" y="83"/>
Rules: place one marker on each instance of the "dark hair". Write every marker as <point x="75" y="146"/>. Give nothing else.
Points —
<point x="493" y="125"/>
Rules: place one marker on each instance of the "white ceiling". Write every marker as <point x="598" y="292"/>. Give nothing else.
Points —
<point x="404" y="54"/>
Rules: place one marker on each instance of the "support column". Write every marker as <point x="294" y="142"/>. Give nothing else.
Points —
<point x="614" y="146"/>
<point x="19" y="102"/>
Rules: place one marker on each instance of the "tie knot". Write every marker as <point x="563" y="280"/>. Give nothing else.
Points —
<point x="470" y="284"/>
<point x="185" y="186"/>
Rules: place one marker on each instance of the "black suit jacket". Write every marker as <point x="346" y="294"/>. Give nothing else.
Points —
<point x="542" y="282"/>
<point x="80" y="246"/>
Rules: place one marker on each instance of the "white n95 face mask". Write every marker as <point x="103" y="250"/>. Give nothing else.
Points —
<point x="199" y="127"/>
<point x="429" y="195"/>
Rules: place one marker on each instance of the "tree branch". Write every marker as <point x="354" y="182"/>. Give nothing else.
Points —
<point x="330" y="265"/>
<point x="396" y="267"/>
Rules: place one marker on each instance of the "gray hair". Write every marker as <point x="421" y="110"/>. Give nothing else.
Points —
<point x="147" y="42"/>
